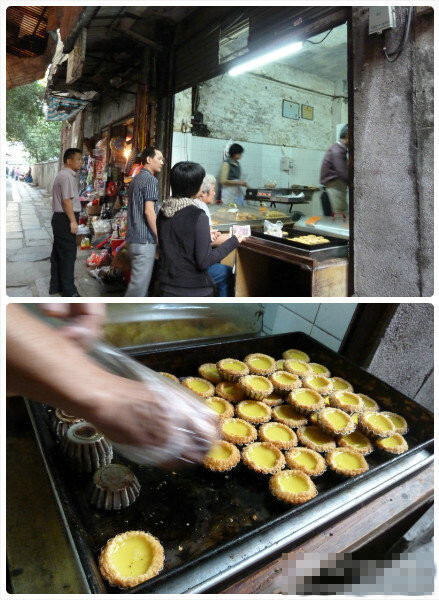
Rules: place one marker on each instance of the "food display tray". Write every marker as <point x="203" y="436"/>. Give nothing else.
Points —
<point x="199" y="515"/>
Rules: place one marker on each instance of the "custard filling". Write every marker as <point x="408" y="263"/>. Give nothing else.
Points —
<point x="337" y="419"/>
<point x="318" y="382"/>
<point x="132" y="557"/>
<point x="259" y="384"/>
<point x="348" y="399"/>
<point x="217" y="406"/>
<point x="236" y="428"/>
<point x="354" y="417"/>
<point x="368" y="403"/>
<point x="233" y="364"/>
<point x="261" y="363"/>
<point x="344" y="460"/>
<point x="296" y="354"/>
<point x="306" y="460"/>
<point x="280" y="364"/>
<point x="317" y="436"/>
<point x="263" y="457"/>
<point x="297" y="366"/>
<point x="355" y="439"/>
<point x="286" y="412"/>
<point x="379" y="422"/>
<point x="293" y="483"/>
<point x="219" y="452"/>
<point x="318" y="368"/>
<point x="277" y="434"/>
<point x="391" y="442"/>
<point x="285" y="379"/>
<point x="306" y="398"/>
<point x="339" y="385"/>
<point x="252" y="409"/>
<point x="211" y="371"/>
<point x="199" y="386"/>
<point x="396" y="420"/>
<point x="231" y="389"/>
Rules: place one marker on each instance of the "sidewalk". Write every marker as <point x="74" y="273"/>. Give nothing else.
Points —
<point x="29" y="244"/>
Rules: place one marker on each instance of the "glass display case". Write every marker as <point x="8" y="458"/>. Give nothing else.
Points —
<point x="225" y="215"/>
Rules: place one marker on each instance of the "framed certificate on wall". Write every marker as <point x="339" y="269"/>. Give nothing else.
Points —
<point x="307" y="112"/>
<point x="290" y="110"/>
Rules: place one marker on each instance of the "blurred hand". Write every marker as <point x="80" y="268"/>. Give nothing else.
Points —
<point x="73" y="227"/>
<point x="240" y="237"/>
<point x="221" y="239"/>
<point x="84" y="320"/>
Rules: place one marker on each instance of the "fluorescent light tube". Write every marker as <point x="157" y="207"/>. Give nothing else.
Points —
<point x="254" y="63"/>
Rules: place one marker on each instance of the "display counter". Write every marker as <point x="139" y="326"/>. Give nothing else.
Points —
<point x="225" y="215"/>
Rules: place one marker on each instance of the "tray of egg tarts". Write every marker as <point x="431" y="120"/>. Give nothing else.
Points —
<point x="297" y="423"/>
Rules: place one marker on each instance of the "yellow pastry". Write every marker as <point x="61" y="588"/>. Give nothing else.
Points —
<point x="280" y="364"/>
<point x="260" y="364"/>
<point x="347" y="462"/>
<point x="375" y="425"/>
<point x="263" y="457"/>
<point x="313" y="418"/>
<point x="170" y="376"/>
<point x="230" y="391"/>
<point x="297" y="367"/>
<point x="231" y="369"/>
<point x="334" y="421"/>
<point x="356" y="441"/>
<point x="131" y="558"/>
<point x="203" y="388"/>
<point x="395" y="444"/>
<point x="273" y="399"/>
<point x="238" y="431"/>
<point x="253" y="411"/>
<point x="284" y="382"/>
<point x="292" y="486"/>
<point x="223" y="408"/>
<point x="341" y="385"/>
<point x="286" y="414"/>
<point x="304" y="459"/>
<point x="256" y="386"/>
<point x="278" y="434"/>
<point x="347" y="401"/>
<point x="223" y="456"/>
<point x="320" y="369"/>
<point x="399" y="422"/>
<point x="319" y="383"/>
<point x="313" y="437"/>
<point x="306" y="401"/>
<point x="210" y="372"/>
<point x="297" y="354"/>
<point x="369" y="403"/>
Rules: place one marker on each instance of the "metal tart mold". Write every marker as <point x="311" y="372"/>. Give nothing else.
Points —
<point x="85" y="448"/>
<point x="114" y="487"/>
<point x="60" y="422"/>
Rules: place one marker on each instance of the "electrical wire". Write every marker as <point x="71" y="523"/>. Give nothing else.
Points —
<point x="322" y="40"/>
<point x="395" y="54"/>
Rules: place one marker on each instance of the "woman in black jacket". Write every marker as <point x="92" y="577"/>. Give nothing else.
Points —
<point x="184" y="240"/>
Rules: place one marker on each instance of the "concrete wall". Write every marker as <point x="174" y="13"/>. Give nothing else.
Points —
<point x="393" y="162"/>
<point x="44" y="174"/>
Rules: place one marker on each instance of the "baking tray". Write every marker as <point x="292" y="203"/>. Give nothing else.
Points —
<point x="196" y="514"/>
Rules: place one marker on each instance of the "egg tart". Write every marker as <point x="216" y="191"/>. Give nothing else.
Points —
<point x="260" y="364"/>
<point x="253" y="411"/>
<point x="114" y="487"/>
<point x="256" y="386"/>
<point x="230" y="391"/>
<point x="341" y="385"/>
<point x="223" y="456"/>
<point x="223" y="408"/>
<point x="61" y="422"/>
<point x="375" y="425"/>
<point x="273" y="399"/>
<point x="287" y="415"/>
<point x="369" y="403"/>
<point x="313" y="437"/>
<point x="346" y="462"/>
<point x="278" y="434"/>
<point x="231" y="369"/>
<point x="170" y="376"/>
<point x="292" y="486"/>
<point x="354" y="417"/>
<point x="305" y="401"/>
<point x="356" y="441"/>
<point x="131" y="558"/>
<point x="395" y="444"/>
<point x="318" y="383"/>
<point x="263" y="457"/>
<point x="297" y="354"/>
<point x="280" y="364"/>
<point x="210" y="372"/>
<point x="399" y="422"/>
<point x="334" y="421"/>
<point x="203" y="388"/>
<point x="347" y="401"/>
<point x="304" y="459"/>
<point x="284" y="382"/>
<point x="313" y="418"/>
<point x="297" y="367"/>
<point x="238" y="431"/>
<point x="320" y="369"/>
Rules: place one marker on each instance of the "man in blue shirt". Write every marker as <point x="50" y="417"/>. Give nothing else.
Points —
<point x="141" y="238"/>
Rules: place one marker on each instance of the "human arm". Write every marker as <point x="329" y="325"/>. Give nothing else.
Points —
<point x="204" y="254"/>
<point x="151" y="217"/>
<point x="67" y="204"/>
<point x="220" y="239"/>
<point x="340" y="163"/>
<point x="224" y="177"/>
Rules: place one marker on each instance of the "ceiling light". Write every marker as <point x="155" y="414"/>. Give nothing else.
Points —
<point x="269" y="57"/>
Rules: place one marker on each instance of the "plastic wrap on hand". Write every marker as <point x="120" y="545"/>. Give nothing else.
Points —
<point x="274" y="229"/>
<point x="190" y="424"/>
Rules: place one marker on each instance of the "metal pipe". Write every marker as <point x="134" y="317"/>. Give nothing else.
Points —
<point x="84" y="21"/>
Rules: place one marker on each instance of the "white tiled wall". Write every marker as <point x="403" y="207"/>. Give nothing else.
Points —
<point x="327" y="323"/>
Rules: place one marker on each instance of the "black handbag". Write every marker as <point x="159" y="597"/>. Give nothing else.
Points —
<point x="326" y="204"/>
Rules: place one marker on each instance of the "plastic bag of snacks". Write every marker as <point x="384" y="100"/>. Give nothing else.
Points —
<point x="274" y="229"/>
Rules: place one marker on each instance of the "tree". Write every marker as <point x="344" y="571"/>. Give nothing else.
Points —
<point x="26" y="122"/>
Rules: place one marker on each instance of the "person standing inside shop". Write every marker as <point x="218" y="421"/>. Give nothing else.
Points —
<point x="334" y="172"/>
<point x="141" y="238"/>
<point x="66" y="208"/>
<point x="230" y="176"/>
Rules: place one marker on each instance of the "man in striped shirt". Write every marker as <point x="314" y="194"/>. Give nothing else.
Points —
<point x="141" y="238"/>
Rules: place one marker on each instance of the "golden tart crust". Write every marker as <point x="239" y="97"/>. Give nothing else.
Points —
<point x="286" y="414"/>
<point x="370" y="405"/>
<point x="273" y="399"/>
<point x="355" y="462"/>
<point x="341" y="385"/>
<point x="253" y="411"/>
<point x="223" y="456"/>
<point x="347" y="401"/>
<point x="335" y="421"/>
<point x="375" y="425"/>
<point x="230" y="391"/>
<point x="284" y="382"/>
<point x="238" y="431"/>
<point x="222" y="407"/>
<point x="200" y="386"/>
<point x="260" y="364"/>
<point x="297" y="367"/>
<point x="304" y="459"/>
<point x="318" y="383"/>
<point x="398" y="421"/>
<point x="210" y="372"/>
<point x="306" y="401"/>
<point x="110" y="570"/>
<point x="313" y="437"/>
<point x="170" y="376"/>
<point x="356" y="441"/>
<point x="320" y="369"/>
<point x="263" y="457"/>
<point x="298" y="354"/>
<point x="278" y="434"/>
<point x="395" y="444"/>
<point x="280" y="364"/>
<point x="305" y="488"/>
<point x="231" y="369"/>
<point x="256" y="386"/>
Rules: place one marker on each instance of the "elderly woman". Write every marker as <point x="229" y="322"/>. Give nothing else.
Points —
<point x="184" y="237"/>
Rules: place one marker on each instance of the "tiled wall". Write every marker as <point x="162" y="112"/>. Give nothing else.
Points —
<point x="327" y="323"/>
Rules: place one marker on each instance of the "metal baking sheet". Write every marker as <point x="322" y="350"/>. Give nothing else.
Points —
<point x="198" y="515"/>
